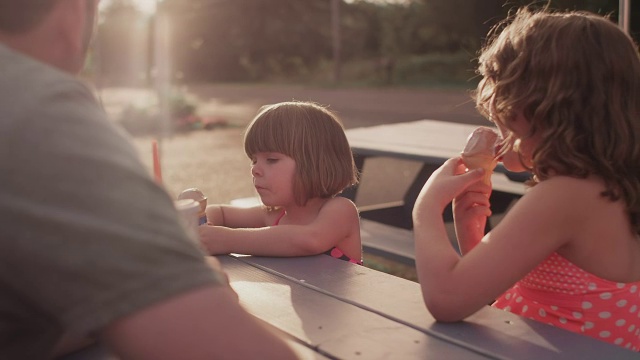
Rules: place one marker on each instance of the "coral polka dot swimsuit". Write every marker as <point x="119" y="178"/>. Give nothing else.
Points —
<point x="559" y="293"/>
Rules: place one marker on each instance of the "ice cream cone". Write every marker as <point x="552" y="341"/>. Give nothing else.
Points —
<point x="480" y="151"/>
<point x="197" y="195"/>
<point x="488" y="163"/>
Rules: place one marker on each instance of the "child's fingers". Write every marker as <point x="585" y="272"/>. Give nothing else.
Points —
<point x="466" y="209"/>
<point x="460" y="168"/>
<point x="469" y="178"/>
<point x="444" y="184"/>
<point x="480" y="187"/>
<point x="455" y="166"/>
<point x="472" y="198"/>
<point x="480" y="211"/>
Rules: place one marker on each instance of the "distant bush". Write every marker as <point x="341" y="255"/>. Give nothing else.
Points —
<point x="439" y="70"/>
<point x="456" y="68"/>
<point x="140" y="121"/>
<point x="148" y="120"/>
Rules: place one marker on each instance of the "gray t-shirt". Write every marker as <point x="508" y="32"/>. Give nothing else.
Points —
<point x="86" y="236"/>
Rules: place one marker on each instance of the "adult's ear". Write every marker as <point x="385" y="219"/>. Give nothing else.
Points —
<point x="68" y="18"/>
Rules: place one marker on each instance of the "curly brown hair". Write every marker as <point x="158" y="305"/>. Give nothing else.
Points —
<point x="314" y="137"/>
<point x="576" y="77"/>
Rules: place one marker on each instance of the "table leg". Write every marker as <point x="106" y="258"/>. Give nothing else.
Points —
<point x="414" y="190"/>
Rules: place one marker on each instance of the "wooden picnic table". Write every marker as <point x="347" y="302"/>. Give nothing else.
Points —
<point x="332" y="309"/>
<point x="430" y="142"/>
<point x="345" y="311"/>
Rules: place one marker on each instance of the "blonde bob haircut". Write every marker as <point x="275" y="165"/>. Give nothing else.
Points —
<point x="575" y="76"/>
<point x="314" y="137"/>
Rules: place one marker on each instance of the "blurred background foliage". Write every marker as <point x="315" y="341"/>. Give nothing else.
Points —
<point x="360" y="42"/>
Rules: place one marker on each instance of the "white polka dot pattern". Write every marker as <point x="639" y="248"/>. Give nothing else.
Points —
<point x="559" y="293"/>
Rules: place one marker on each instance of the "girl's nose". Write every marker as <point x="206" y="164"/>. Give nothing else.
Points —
<point x="255" y="170"/>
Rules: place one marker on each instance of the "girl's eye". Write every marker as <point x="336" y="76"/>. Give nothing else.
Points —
<point x="272" y="160"/>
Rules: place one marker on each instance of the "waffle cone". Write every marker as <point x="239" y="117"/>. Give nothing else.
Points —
<point x="488" y="163"/>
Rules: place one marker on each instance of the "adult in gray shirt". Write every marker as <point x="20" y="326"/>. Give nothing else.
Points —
<point x="90" y="246"/>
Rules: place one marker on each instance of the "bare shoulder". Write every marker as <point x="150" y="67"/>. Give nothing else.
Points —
<point x="339" y="209"/>
<point x="564" y="202"/>
<point x="550" y="216"/>
<point x="600" y="238"/>
<point x="340" y="204"/>
<point x="567" y="191"/>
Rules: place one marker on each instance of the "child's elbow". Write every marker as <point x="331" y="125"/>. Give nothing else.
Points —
<point x="444" y="314"/>
<point x="445" y="308"/>
<point x="314" y="244"/>
<point x="314" y="248"/>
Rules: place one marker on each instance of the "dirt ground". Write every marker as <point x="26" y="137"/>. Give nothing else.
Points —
<point x="214" y="160"/>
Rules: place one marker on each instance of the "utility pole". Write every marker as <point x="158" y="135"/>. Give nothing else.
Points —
<point x="162" y="66"/>
<point x="623" y="15"/>
<point x="336" y="38"/>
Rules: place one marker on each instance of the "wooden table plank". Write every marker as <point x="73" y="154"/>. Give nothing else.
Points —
<point x="329" y="325"/>
<point x="428" y="141"/>
<point x="304" y="352"/>
<point x="494" y="332"/>
<point x="416" y="140"/>
<point x="98" y="351"/>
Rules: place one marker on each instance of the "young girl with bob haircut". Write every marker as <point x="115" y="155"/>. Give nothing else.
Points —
<point x="564" y="91"/>
<point x="300" y="161"/>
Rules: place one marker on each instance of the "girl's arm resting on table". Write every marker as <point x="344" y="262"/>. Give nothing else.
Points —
<point x="236" y="217"/>
<point x="334" y="222"/>
<point x="435" y="257"/>
<point x="206" y="323"/>
<point x="455" y="287"/>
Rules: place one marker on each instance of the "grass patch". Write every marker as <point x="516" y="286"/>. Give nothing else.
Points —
<point x="438" y="70"/>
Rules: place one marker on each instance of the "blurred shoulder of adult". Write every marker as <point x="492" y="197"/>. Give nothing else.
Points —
<point x="24" y="80"/>
<point x="27" y="83"/>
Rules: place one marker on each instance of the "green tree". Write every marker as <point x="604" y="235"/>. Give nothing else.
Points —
<point x="257" y="40"/>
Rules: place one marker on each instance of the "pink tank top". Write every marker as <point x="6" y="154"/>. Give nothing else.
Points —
<point x="333" y="252"/>
<point x="559" y="293"/>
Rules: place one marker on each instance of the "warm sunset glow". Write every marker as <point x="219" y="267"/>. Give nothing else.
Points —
<point x="146" y="6"/>
<point x="382" y="1"/>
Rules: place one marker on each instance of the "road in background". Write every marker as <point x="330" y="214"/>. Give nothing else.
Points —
<point x="356" y="106"/>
